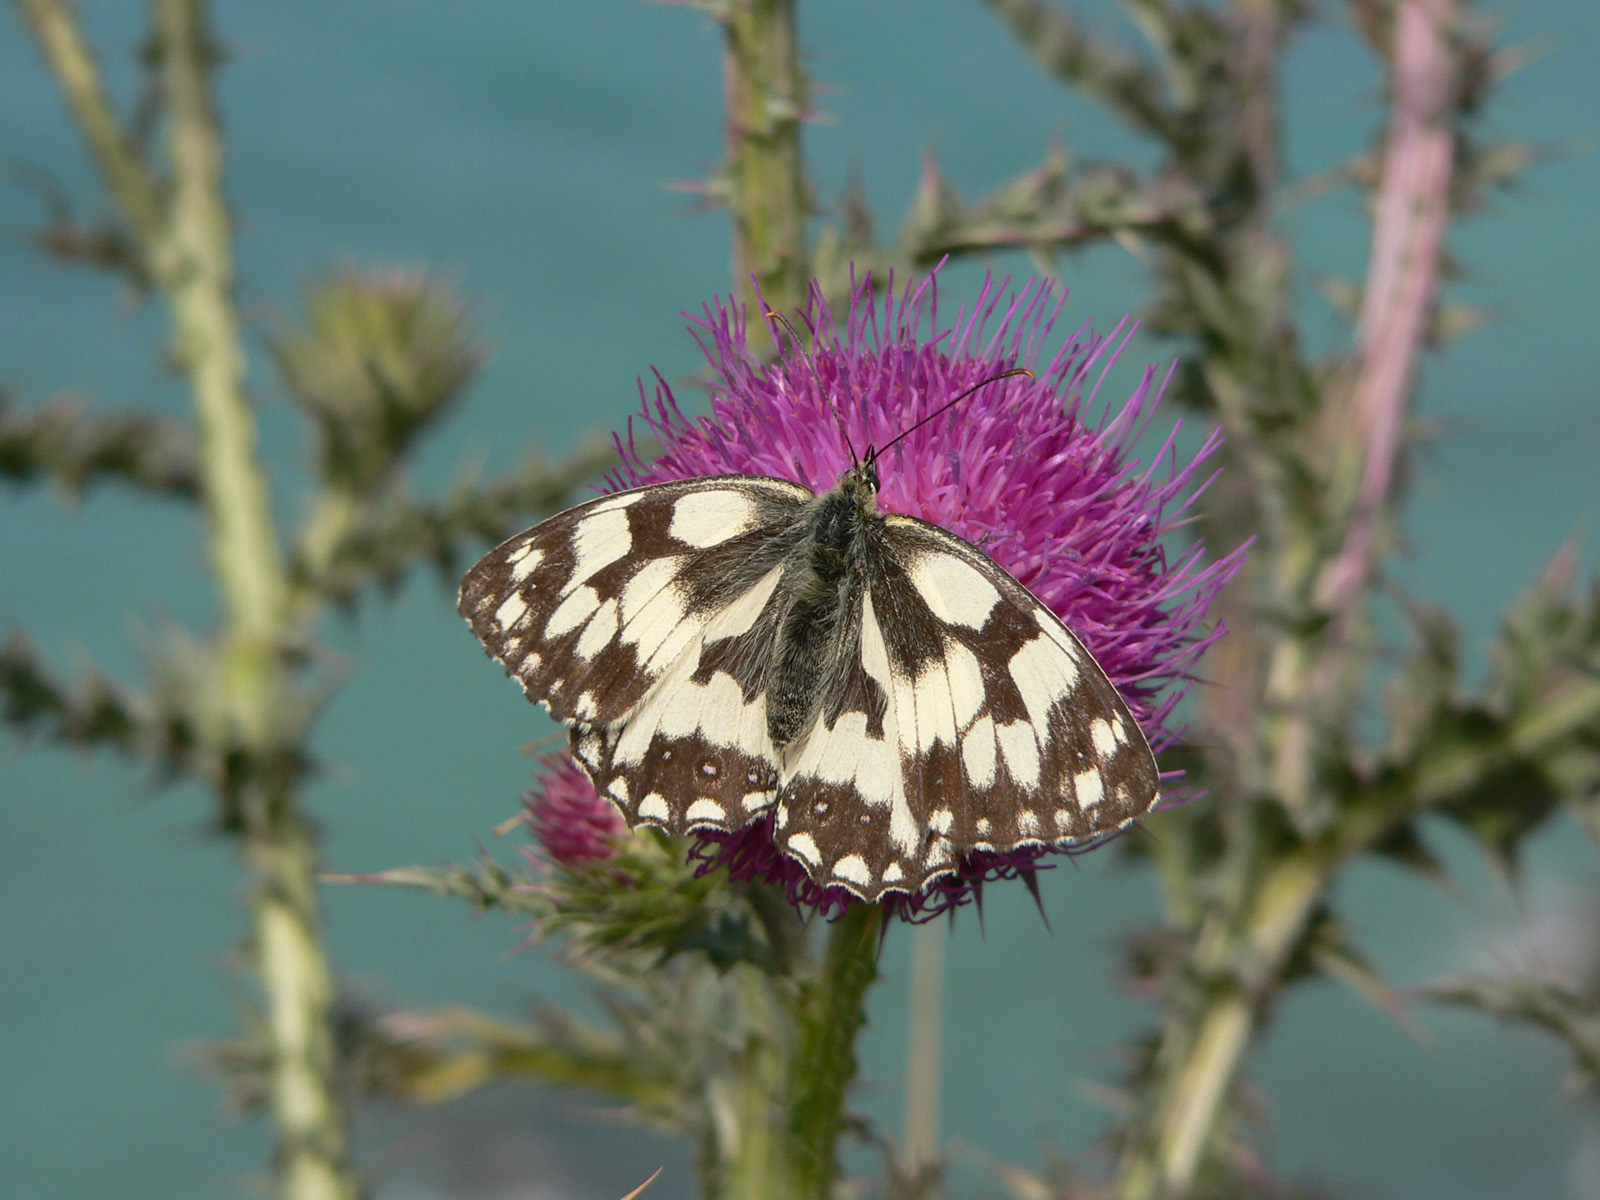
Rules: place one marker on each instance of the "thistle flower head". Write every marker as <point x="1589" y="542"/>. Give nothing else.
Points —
<point x="573" y="825"/>
<point x="1036" y="472"/>
<point x="380" y="357"/>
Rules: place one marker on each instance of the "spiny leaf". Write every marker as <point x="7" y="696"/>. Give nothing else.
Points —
<point x="1332" y="955"/>
<point x="105" y="244"/>
<point x="484" y="884"/>
<point x="435" y="1056"/>
<point x="1549" y="1004"/>
<point x="95" y="711"/>
<point x="182" y="723"/>
<point x="396" y="532"/>
<point x="1063" y="48"/>
<point x="61" y="440"/>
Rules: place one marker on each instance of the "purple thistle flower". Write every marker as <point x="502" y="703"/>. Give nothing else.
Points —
<point x="572" y="823"/>
<point x="1022" y="468"/>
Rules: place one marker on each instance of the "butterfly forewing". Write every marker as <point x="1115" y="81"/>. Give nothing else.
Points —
<point x="594" y="606"/>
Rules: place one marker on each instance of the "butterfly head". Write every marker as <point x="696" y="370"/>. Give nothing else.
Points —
<point x="860" y="482"/>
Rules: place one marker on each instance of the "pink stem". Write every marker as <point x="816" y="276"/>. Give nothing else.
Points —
<point x="1409" y="228"/>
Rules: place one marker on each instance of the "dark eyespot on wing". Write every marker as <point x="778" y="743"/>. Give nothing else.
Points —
<point x="677" y="783"/>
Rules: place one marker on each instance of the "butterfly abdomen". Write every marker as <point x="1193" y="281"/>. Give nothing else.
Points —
<point x="799" y="658"/>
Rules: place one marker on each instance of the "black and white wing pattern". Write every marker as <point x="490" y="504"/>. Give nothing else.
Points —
<point x="968" y="717"/>
<point x="644" y="620"/>
<point x="728" y="646"/>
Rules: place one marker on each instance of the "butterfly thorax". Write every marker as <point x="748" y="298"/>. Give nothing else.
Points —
<point x="828" y="571"/>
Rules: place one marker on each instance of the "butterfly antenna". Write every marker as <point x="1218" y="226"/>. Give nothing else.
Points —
<point x="944" y="408"/>
<point x="773" y="314"/>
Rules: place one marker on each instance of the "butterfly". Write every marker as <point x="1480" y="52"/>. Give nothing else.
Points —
<point x="735" y="647"/>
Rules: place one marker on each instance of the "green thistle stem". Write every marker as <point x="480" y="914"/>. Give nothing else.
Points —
<point x="294" y="975"/>
<point x="288" y="956"/>
<point x="830" y="1011"/>
<point x="127" y="177"/>
<point x="751" y="1141"/>
<point x="1203" y="1058"/>
<point x="184" y="235"/>
<point x="766" y="194"/>
<point x="766" y="180"/>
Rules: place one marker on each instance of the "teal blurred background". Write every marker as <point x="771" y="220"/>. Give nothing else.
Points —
<point x="521" y="150"/>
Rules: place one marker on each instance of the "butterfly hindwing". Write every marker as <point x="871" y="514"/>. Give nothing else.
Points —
<point x="967" y="718"/>
<point x="694" y="753"/>
<point x="1069" y="760"/>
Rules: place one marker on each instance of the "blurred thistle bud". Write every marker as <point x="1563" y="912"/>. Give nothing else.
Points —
<point x="573" y="824"/>
<point x="380" y="356"/>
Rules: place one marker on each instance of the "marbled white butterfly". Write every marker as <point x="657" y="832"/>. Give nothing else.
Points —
<point x="721" y="647"/>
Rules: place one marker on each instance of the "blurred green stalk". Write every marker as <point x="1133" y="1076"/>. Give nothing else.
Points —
<point x="924" y="1043"/>
<point x="1248" y="940"/>
<point x="184" y="234"/>
<point x="829" y="1013"/>
<point x="765" y="98"/>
